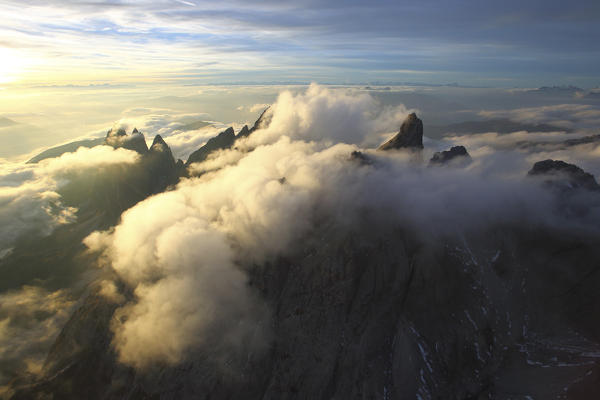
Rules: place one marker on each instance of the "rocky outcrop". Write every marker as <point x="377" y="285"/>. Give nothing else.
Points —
<point x="563" y="176"/>
<point x="361" y="158"/>
<point x="159" y="145"/>
<point x="244" y="132"/>
<point x="409" y="137"/>
<point x="456" y="155"/>
<point x="373" y="310"/>
<point x="160" y="166"/>
<point x="119" y="138"/>
<point x="227" y="138"/>
<point x="223" y="140"/>
<point x="116" y="188"/>
<point x="381" y="314"/>
<point x="263" y="120"/>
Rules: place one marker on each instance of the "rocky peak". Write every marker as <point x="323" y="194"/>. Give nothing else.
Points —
<point x="456" y="154"/>
<point x="135" y="141"/>
<point x="409" y="137"/>
<point x="158" y="144"/>
<point x="564" y="176"/>
<point x="229" y="132"/>
<point x="243" y="132"/>
<point x="360" y="157"/>
<point x="223" y="140"/>
<point x="263" y="120"/>
<point x="227" y="138"/>
<point x="116" y="133"/>
<point x="135" y="131"/>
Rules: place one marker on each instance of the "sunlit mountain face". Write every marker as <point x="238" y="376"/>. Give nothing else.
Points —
<point x="296" y="201"/>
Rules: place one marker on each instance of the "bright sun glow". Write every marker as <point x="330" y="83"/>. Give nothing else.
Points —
<point x="11" y="65"/>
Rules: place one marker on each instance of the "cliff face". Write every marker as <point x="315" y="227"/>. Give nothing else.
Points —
<point x="409" y="137"/>
<point x="382" y="314"/>
<point x="378" y="309"/>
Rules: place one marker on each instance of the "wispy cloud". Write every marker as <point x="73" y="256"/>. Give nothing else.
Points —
<point x="394" y="40"/>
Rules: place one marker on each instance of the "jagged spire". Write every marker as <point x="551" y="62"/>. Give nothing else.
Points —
<point x="409" y="137"/>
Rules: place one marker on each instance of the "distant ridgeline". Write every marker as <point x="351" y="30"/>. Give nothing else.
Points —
<point x="136" y="141"/>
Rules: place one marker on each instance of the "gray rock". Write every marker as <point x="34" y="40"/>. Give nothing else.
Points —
<point x="456" y="155"/>
<point x="227" y="138"/>
<point x="223" y="140"/>
<point x="135" y="141"/>
<point x="564" y="176"/>
<point x="409" y="137"/>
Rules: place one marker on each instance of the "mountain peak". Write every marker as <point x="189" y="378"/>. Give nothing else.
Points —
<point x="135" y="141"/>
<point x="244" y="131"/>
<point x="409" y="137"/>
<point x="563" y="175"/>
<point x="455" y="154"/>
<point x="262" y="122"/>
<point x="159" y="143"/>
<point x="223" y="140"/>
<point x="116" y="133"/>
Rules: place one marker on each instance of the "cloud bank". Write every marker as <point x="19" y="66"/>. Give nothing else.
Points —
<point x="186" y="267"/>
<point x="30" y="320"/>
<point x="30" y="201"/>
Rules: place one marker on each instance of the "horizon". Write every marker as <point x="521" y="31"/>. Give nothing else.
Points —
<point x="299" y="200"/>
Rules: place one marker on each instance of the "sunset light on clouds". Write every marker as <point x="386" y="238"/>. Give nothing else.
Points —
<point x="62" y="42"/>
<point x="308" y="199"/>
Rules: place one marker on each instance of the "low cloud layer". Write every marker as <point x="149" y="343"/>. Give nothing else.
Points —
<point x="319" y="114"/>
<point x="257" y="201"/>
<point x="566" y="116"/>
<point x="30" y="320"/>
<point x="29" y="193"/>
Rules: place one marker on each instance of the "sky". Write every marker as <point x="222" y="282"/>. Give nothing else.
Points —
<point x="75" y="69"/>
<point x="513" y="43"/>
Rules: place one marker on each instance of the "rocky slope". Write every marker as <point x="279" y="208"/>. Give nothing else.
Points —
<point x="382" y="315"/>
<point x="377" y="310"/>
<point x="409" y="137"/>
<point x="456" y="154"/>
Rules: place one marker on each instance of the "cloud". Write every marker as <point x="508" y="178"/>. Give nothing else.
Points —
<point x="561" y="115"/>
<point x="525" y="148"/>
<point x="255" y="108"/>
<point x="238" y="41"/>
<point x="258" y="107"/>
<point x="183" y="132"/>
<point x="29" y="193"/>
<point x="337" y="115"/>
<point x="186" y="267"/>
<point x="30" y="320"/>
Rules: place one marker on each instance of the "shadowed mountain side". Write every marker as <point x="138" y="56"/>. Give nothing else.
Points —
<point x="227" y="138"/>
<point x="66" y="148"/>
<point x="456" y="155"/>
<point x="100" y="198"/>
<point x="119" y="138"/>
<point x="384" y="315"/>
<point x="409" y="137"/>
<point x="564" y="176"/>
<point x="114" y="138"/>
<point x="223" y="140"/>
<point x="263" y="121"/>
<point x="376" y="308"/>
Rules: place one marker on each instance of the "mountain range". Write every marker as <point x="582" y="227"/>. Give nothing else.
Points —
<point x="368" y="310"/>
